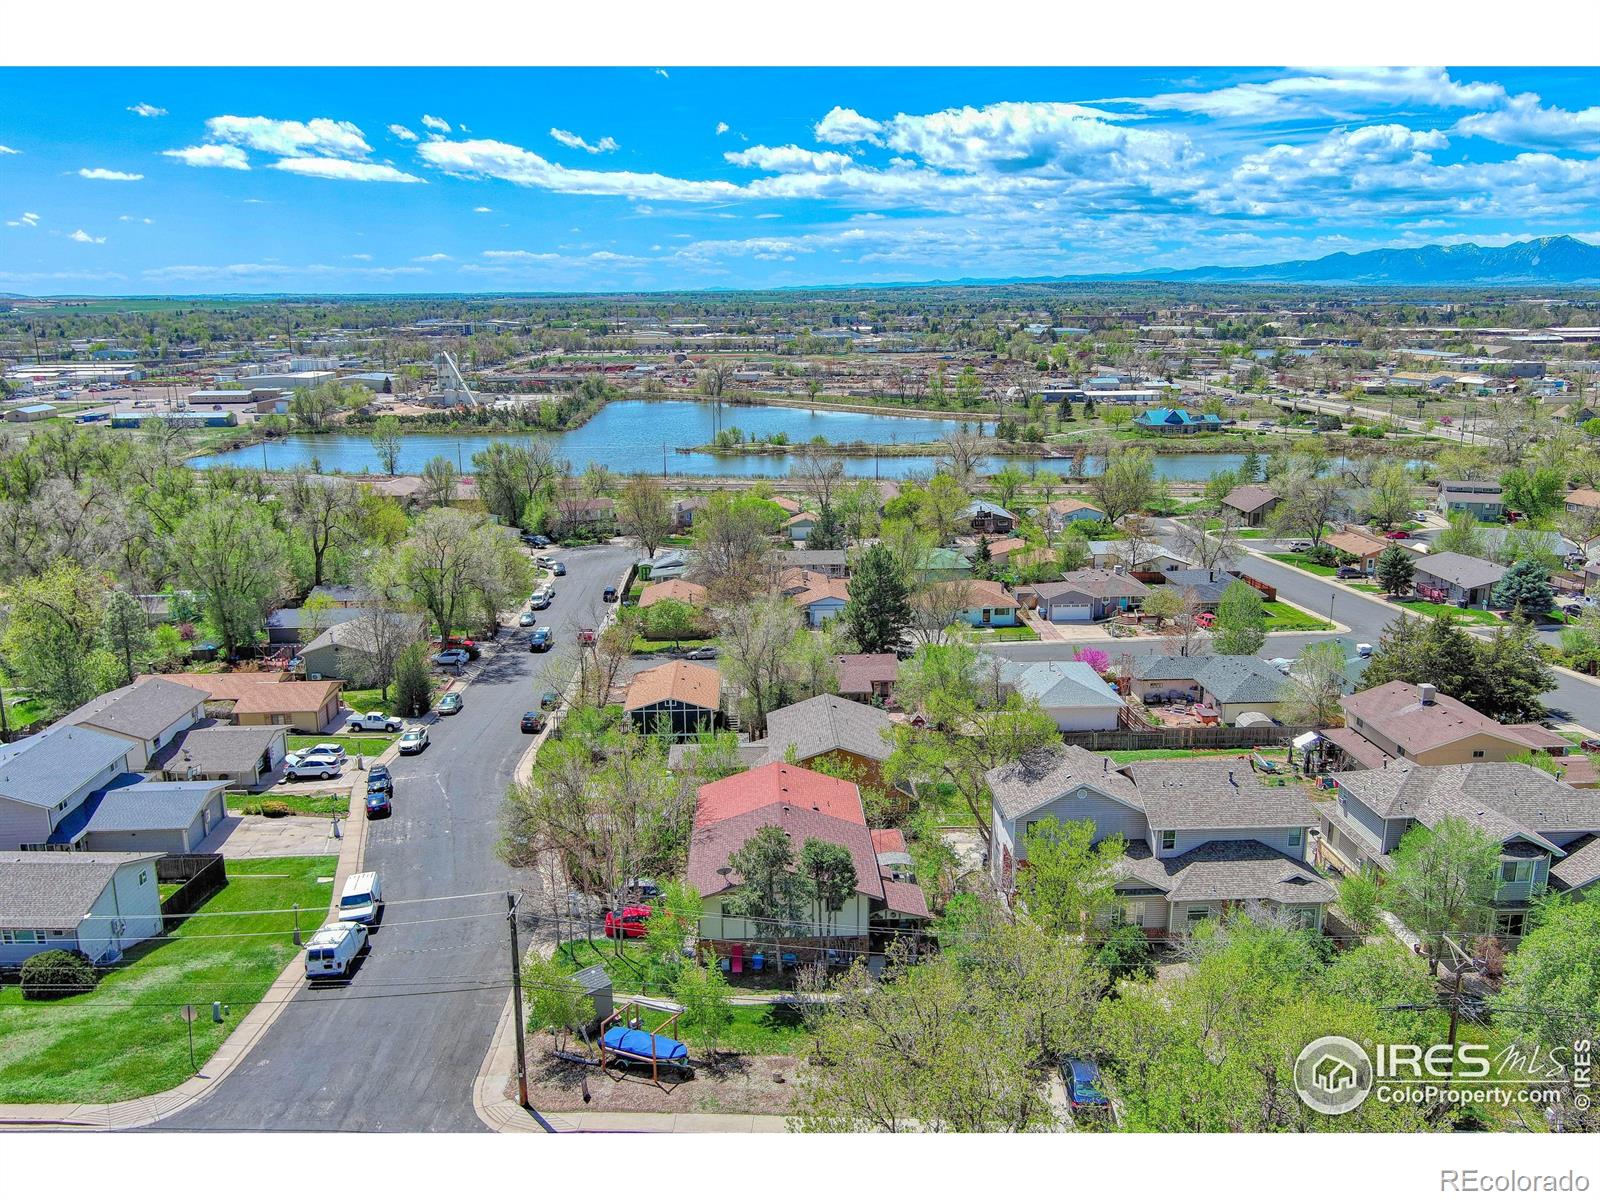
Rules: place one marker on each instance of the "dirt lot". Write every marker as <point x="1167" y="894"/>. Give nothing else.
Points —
<point x="739" y="1084"/>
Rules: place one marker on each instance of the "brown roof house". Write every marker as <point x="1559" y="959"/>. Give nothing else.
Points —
<point x="1402" y="720"/>
<point x="865" y="677"/>
<point x="806" y="805"/>
<point x="1363" y="547"/>
<point x="1252" y="502"/>
<point x="676" y="699"/>
<point x="267" y="698"/>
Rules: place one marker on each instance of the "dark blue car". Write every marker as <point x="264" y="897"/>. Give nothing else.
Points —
<point x="1084" y="1095"/>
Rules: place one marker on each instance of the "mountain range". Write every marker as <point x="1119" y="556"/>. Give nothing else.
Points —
<point x="1547" y="260"/>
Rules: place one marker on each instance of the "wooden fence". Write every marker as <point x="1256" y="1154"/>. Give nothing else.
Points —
<point x="203" y="876"/>
<point x="1186" y="737"/>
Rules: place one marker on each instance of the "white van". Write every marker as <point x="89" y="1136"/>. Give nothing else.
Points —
<point x="332" y="951"/>
<point x="361" y="899"/>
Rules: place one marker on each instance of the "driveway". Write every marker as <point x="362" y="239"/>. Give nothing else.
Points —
<point x="398" y="1048"/>
<point x="271" y="837"/>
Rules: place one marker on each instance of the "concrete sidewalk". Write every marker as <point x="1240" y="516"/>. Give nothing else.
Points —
<point x="146" y="1110"/>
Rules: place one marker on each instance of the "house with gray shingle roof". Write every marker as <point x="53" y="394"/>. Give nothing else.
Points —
<point x="45" y="779"/>
<point x="1232" y="684"/>
<point x="149" y="714"/>
<point x="1200" y="836"/>
<point x="1071" y="692"/>
<point x="827" y="726"/>
<point x="1534" y="817"/>
<point x="1086" y="595"/>
<point x="1458" y="579"/>
<point x="139" y="815"/>
<point x="97" y="904"/>
<point x="238" y="755"/>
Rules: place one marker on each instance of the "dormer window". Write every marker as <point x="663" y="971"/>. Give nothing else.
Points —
<point x="1169" y="839"/>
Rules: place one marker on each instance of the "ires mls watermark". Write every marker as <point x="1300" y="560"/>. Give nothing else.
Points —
<point x="1336" y="1075"/>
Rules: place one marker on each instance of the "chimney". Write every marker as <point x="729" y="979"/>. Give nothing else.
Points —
<point x="1426" y="693"/>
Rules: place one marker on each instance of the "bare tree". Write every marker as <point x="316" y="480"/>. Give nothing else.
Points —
<point x="369" y="645"/>
<point x="1188" y="637"/>
<point x="1211" y="550"/>
<point x="819" y="472"/>
<point x="936" y="610"/>
<point x="755" y="641"/>
<point x="961" y="457"/>
<point x="643" y="513"/>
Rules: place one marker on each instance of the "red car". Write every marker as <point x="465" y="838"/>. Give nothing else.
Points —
<point x="1397" y="535"/>
<point x="1205" y="620"/>
<point x="467" y="644"/>
<point x="629" y="922"/>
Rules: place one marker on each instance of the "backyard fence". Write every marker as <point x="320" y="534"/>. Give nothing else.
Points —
<point x="203" y="876"/>
<point x="1187" y="737"/>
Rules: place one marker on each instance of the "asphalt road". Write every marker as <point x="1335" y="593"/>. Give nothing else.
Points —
<point x="398" y="1048"/>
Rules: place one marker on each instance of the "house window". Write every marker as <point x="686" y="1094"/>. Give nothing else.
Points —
<point x="22" y="937"/>
<point x="1509" y="924"/>
<point x="1520" y="871"/>
<point x="1196" y="915"/>
<point x="1296" y="836"/>
<point x="1169" y="839"/>
<point x="144" y="877"/>
<point x="1477" y="754"/>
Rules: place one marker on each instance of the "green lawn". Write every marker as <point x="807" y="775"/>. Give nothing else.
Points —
<point x="331" y="805"/>
<point x="128" y="1038"/>
<point x="1305" y="564"/>
<point x="366" y="743"/>
<point x="365" y="700"/>
<point x="1131" y="756"/>
<point x="644" y="645"/>
<point x="1007" y="633"/>
<point x="1283" y="617"/>
<point x="1467" y="616"/>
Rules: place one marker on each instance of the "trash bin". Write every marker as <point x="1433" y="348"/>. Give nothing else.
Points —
<point x="757" y="961"/>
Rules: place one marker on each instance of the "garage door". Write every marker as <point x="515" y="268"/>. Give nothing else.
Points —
<point x="1072" y="612"/>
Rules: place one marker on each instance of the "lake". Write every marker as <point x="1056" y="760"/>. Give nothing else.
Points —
<point x="643" y="435"/>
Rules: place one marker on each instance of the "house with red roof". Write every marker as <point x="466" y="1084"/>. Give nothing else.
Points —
<point x="806" y="805"/>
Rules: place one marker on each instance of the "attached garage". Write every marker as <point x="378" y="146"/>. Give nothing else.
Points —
<point x="149" y="817"/>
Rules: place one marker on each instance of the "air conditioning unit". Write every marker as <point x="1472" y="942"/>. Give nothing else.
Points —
<point x="313" y="676"/>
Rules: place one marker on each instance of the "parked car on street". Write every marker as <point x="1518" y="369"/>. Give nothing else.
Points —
<point x="375" y="722"/>
<point x="379" y="803"/>
<point x="538" y="539"/>
<point x="451" y="658"/>
<point x="549" y="700"/>
<point x="1351" y="573"/>
<point x="526" y="619"/>
<point x="1397" y="535"/>
<point x="532" y="722"/>
<point x="540" y="600"/>
<point x="541" y="640"/>
<point x="629" y="922"/>
<point x="414" y="740"/>
<point x="543" y="560"/>
<point x="449" y="704"/>
<point x="585" y="637"/>
<point x="333" y="950"/>
<point x="558" y="568"/>
<point x="702" y="652"/>
<point x="1298" y="546"/>
<point x="379" y="779"/>
<point x="609" y="596"/>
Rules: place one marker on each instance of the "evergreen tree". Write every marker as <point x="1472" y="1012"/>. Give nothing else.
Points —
<point x="826" y="533"/>
<point x="1422" y="651"/>
<point x="878" y="612"/>
<point x="1526" y="586"/>
<point x="1396" y="570"/>
<point x="1513" y="674"/>
<point x="982" y="560"/>
<point x="1250" y="469"/>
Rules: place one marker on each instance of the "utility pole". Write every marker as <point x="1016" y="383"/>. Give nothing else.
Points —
<point x="516" y="996"/>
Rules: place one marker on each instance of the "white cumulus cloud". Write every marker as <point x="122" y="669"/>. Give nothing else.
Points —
<point x="845" y="125"/>
<point x="320" y="135"/>
<point x="789" y="159"/>
<point x="436" y="123"/>
<point x="78" y="235"/>
<point x="28" y="218"/>
<point x="722" y="128"/>
<point x="1523" y="121"/>
<point x="604" y="146"/>
<point x="231" y="157"/>
<point x="147" y="110"/>
<point x="104" y="173"/>
<point x="401" y="132"/>
<point x="344" y="168"/>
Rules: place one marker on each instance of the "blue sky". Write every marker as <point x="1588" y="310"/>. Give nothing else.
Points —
<point x="188" y="181"/>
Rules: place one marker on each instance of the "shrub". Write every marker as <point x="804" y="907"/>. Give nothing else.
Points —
<point x="274" y="808"/>
<point x="1358" y="899"/>
<point x="1125" y="953"/>
<point x="57" y="973"/>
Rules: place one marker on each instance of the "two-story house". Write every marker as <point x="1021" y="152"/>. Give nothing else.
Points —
<point x="1202" y="837"/>
<point x="1533" y="816"/>
<point x="148" y="714"/>
<point x="1401" y="720"/>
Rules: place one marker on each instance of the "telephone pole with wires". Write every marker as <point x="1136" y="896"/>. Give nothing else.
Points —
<point x="516" y="996"/>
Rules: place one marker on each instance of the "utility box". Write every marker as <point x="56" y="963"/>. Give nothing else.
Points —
<point x="596" y="984"/>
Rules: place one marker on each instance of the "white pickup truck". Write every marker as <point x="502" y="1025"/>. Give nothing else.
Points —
<point x="375" y="722"/>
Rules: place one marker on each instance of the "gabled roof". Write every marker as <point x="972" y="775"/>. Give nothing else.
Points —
<point x="1091" y="582"/>
<point x="261" y="691"/>
<point x="1581" y="866"/>
<point x="778" y="783"/>
<point x="858" y="672"/>
<point x="1505" y="800"/>
<point x="1249" y="497"/>
<point x="49" y="889"/>
<point x="355" y="631"/>
<point x="826" y="723"/>
<point x="713" y="843"/>
<point x="1071" y="504"/>
<point x="1397" y="712"/>
<point x="1227" y="870"/>
<point x="1463" y="570"/>
<point x="986" y="593"/>
<point x="1047" y="774"/>
<point x="46" y="768"/>
<point x="680" y="590"/>
<point x="213" y="748"/>
<point x="1059" y="684"/>
<point x="691" y="683"/>
<point x="1193" y="794"/>
<point x="981" y="507"/>
<point x="1231" y="678"/>
<point x="139" y="710"/>
<point x="133" y="804"/>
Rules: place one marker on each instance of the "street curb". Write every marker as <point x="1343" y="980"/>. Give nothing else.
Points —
<point x="147" y="1110"/>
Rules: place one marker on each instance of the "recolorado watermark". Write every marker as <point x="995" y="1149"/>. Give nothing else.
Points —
<point x="1336" y="1075"/>
<point x="1511" y="1182"/>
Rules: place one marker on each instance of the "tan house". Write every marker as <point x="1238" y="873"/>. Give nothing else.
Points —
<point x="1364" y="548"/>
<point x="268" y="698"/>
<point x="1253" y="503"/>
<point x="1399" y="720"/>
<point x="677" y="699"/>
